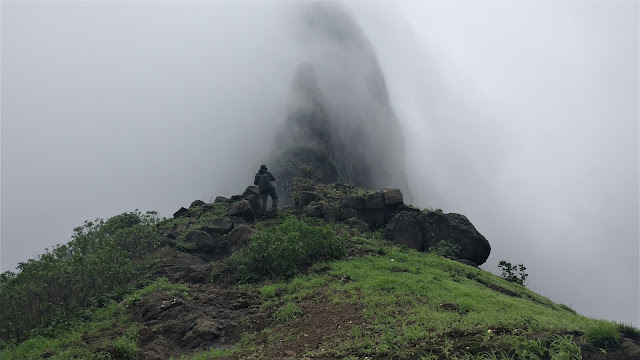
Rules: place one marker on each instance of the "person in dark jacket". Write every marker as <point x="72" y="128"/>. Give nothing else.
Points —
<point x="263" y="179"/>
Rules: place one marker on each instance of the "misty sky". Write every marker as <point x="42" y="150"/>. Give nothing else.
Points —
<point x="523" y="116"/>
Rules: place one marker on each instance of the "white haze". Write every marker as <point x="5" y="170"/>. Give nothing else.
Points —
<point x="522" y="116"/>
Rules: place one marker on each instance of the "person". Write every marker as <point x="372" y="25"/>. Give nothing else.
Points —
<point x="263" y="179"/>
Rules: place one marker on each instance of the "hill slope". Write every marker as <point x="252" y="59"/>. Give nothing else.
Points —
<point x="214" y="282"/>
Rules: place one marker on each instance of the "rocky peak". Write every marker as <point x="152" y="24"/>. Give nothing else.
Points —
<point x="361" y="209"/>
<point x="340" y="125"/>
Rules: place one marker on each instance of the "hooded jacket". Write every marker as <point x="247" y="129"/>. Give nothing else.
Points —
<point x="263" y="179"/>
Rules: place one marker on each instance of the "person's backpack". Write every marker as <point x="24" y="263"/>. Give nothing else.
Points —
<point x="264" y="181"/>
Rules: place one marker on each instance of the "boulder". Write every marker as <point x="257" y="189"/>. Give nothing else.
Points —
<point x="357" y="224"/>
<point x="236" y="197"/>
<point x="204" y="332"/>
<point x="352" y="202"/>
<point x="467" y="262"/>
<point x="242" y="209"/>
<point x="308" y="187"/>
<point x="237" y="220"/>
<point x="312" y="210"/>
<point x="202" y="240"/>
<point x="165" y="241"/>
<point x="328" y="209"/>
<point x="222" y="199"/>
<point x="218" y="226"/>
<point x="374" y="201"/>
<point x="403" y="207"/>
<point x="347" y="213"/>
<point x="239" y="237"/>
<point x="404" y="229"/>
<point x="254" y="202"/>
<point x="456" y="229"/>
<point x="630" y="348"/>
<point x="251" y="190"/>
<point x="392" y="197"/>
<point x="374" y="218"/>
<point x="196" y="203"/>
<point x="208" y="207"/>
<point x="181" y="213"/>
<point x="307" y="197"/>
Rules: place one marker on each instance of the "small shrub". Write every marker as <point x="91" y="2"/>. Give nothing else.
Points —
<point x="287" y="312"/>
<point x="269" y="290"/>
<point x="126" y="346"/>
<point x="629" y="330"/>
<point x="446" y="249"/>
<point x="564" y="348"/>
<point x="605" y="335"/>
<point x="103" y="355"/>
<point x="513" y="273"/>
<point x="283" y="250"/>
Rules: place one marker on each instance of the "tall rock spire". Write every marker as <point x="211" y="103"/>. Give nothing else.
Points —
<point x="339" y="123"/>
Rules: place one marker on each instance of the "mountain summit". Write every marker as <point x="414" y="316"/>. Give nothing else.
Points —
<point x="340" y="124"/>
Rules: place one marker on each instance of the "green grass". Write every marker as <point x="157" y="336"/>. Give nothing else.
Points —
<point x="287" y="312"/>
<point x="604" y="334"/>
<point x="628" y="330"/>
<point x="206" y="355"/>
<point x="158" y="285"/>
<point x="400" y="292"/>
<point x="126" y="345"/>
<point x="269" y="291"/>
<point x="66" y="344"/>
<point x="564" y="348"/>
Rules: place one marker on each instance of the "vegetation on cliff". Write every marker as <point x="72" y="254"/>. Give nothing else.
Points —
<point x="207" y="285"/>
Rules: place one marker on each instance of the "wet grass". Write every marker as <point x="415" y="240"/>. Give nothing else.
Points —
<point x="401" y="293"/>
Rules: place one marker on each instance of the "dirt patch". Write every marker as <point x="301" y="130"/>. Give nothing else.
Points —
<point x="103" y="340"/>
<point x="321" y="324"/>
<point x="319" y="329"/>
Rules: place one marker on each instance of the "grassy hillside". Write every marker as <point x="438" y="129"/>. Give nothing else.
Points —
<point x="135" y="287"/>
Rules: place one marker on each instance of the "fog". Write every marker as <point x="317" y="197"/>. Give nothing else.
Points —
<point x="522" y="116"/>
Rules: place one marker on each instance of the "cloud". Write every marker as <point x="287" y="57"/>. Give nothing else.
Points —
<point x="522" y="116"/>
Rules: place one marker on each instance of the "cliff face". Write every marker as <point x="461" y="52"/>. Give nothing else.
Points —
<point x="339" y="124"/>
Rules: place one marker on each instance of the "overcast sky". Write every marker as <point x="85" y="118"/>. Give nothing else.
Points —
<point x="523" y="116"/>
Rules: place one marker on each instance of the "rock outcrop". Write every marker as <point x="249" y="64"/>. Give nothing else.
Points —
<point x="361" y="209"/>
<point x="339" y="126"/>
<point x="424" y="230"/>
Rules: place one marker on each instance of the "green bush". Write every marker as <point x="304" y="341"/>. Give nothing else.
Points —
<point x="283" y="250"/>
<point x="513" y="273"/>
<point x="446" y="249"/>
<point x="126" y="345"/>
<point x="287" y="312"/>
<point x="604" y="334"/>
<point x="629" y="330"/>
<point x="98" y="261"/>
<point x="125" y="348"/>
